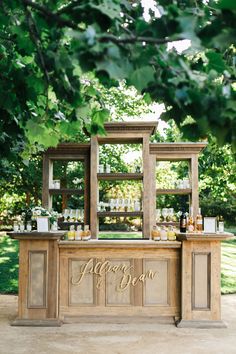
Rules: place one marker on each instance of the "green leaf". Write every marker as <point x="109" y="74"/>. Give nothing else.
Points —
<point x="216" y="62"/>
<point x="141" y="77"/>
<point x="117" y="71"/>
<point x="109" y="8"/>
<point x="226" y="4"/>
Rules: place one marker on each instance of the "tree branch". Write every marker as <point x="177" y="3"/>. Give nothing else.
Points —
<point x="51" y="15"/>
<point x="134" y="39"/>
<point x="36" y="39"/>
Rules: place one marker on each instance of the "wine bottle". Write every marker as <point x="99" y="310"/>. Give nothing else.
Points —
<point x="199" y="221"/>
<point x="191" y="221"/>
<point x="183" y="222"/>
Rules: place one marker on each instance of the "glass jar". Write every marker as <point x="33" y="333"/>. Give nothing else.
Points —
<point x="29" y="226"/>
<point x="15" y="226"/>
<point x="57" y="184"/>
<point x="108" y="169"/>
<point x="171" y="234"/>
<point x="22" y="226"/>
<point x="163" y="234"/>
<point x="155" y="233"/>
<point x="78" y="233"/>
<point x="71" y="233"/>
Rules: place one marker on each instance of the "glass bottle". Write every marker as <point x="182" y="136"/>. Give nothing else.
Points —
<point x="29" y="226"/>
<point x="171" y="234"/>
<point x="155" y="234"/>
<point x="78" y="233"/>
<point x="87" y="231"/>
<point x="199" y="221"/>
<point x="221" y="224"/>
<point x="163" y="234"/>
<point x="191" y="227"/>
<point x="71" y="233"/>
<point x="15" y="226"/>
<point x="183" y="222"/>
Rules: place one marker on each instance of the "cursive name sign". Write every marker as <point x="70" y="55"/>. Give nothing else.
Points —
<point x="102" y="268"/>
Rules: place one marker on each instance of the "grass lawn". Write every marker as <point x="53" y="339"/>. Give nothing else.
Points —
<point x="9" y="263"/>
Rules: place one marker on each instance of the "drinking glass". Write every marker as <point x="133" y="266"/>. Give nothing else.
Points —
<point x="164" y="213"/>
<point x="158" y="215"/>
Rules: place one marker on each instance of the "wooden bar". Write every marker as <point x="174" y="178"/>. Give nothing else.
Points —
<point x="135" y="279"/>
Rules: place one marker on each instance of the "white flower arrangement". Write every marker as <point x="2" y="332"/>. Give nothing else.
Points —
<point x="39" y="211"/>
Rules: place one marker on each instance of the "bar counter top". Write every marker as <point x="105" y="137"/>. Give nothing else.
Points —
<point x="119" y="244"/>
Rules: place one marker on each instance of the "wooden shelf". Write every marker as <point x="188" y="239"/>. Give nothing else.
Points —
<point x="68" y="223"/>
<point x="119" y="176"/>
<point x="186" y="191"/>
<point x="166" y="223"/>
<point x="66" y="191"/>
<point x="119" y="213"/>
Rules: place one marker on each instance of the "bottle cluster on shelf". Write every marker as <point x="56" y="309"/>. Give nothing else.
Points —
<point x="189" y="224"/>
<point x="120" y="204"/>
<point x="79" y="234"/>
<point x="163" y="233"/>
<point x="73" y="215"/>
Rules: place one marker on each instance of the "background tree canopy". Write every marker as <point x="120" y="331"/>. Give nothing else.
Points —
<point x="47" y="47"/>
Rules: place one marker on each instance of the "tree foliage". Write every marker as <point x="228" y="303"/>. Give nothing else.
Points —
<point x="47" y="46"/>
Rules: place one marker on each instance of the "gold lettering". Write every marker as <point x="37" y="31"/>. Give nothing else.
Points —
<point x="124" y="283"/>
<point x="84" y="270"/>
<point x="150" y="274"/>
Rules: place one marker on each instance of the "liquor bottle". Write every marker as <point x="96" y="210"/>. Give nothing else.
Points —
<point x="183" y="222"/>
<point x="71" y="233"/>
<point x="199" y="221"/>
<point x="221" y="224"/>
<point x="190" y="226"/>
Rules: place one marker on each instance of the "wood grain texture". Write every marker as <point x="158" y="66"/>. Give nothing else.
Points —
<point x="94" y="198"/>
<point x="37" y="279"/>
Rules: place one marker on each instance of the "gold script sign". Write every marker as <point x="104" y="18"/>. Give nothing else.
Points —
<point x="102" y="268"/>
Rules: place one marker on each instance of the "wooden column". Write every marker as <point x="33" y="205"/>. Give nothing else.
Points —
<point x="47" y="179"/>
<point x="38" y="300"/>
<point x="94" y="192"/>
<point x="194" y="181"/>
<point x="152" y="201"/>
<point x="147" y="181"/>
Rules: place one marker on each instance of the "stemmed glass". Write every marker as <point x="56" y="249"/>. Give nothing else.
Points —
<point x="158" y="215"/>
<point x="164" y="213"/>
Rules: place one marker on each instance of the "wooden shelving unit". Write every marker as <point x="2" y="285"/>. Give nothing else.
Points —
<point x="119" y="176"/>
<point x="166" y="223"/>
<point x="68" y="191"/>
<point x="119" y="213"/>
<point x="186" y="191"/>
<point x="67" y="152"/>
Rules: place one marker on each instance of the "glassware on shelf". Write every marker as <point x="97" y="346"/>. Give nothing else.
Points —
<point x="15" y="226"/>
<point x="163" y="234"/>
<point x="22" y="226"/>
<point x="112" y="204"/>
<point x="101" y="168"/>
<point x="158" y="215"/>
<point x="86" y="235"/>
<point x="137" y="205"/>
<point x="78" y="233"/>
<point x="56" y="184"/>
<point x="29" y="226"/>
<point x="65" y="214"/>
<point x="164" y="213"/>
<point x="171" y="234"/>
<point x="108" y="169"/>
<point x="54" y="226"/>
<point x="126" y="204"/>
<point x="71" y="233"/>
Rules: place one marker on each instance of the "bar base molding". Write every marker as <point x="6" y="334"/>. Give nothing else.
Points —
<point x="200" y="324"/>
<point x="50" y="322"/>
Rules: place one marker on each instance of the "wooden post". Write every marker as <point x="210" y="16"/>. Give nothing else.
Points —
<point x="47" y="178"/>
<point x="194" y="181"/>
<point x="147" y="180"/>
<point x="94" y="195"/>
<point x="152" y="202"/>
